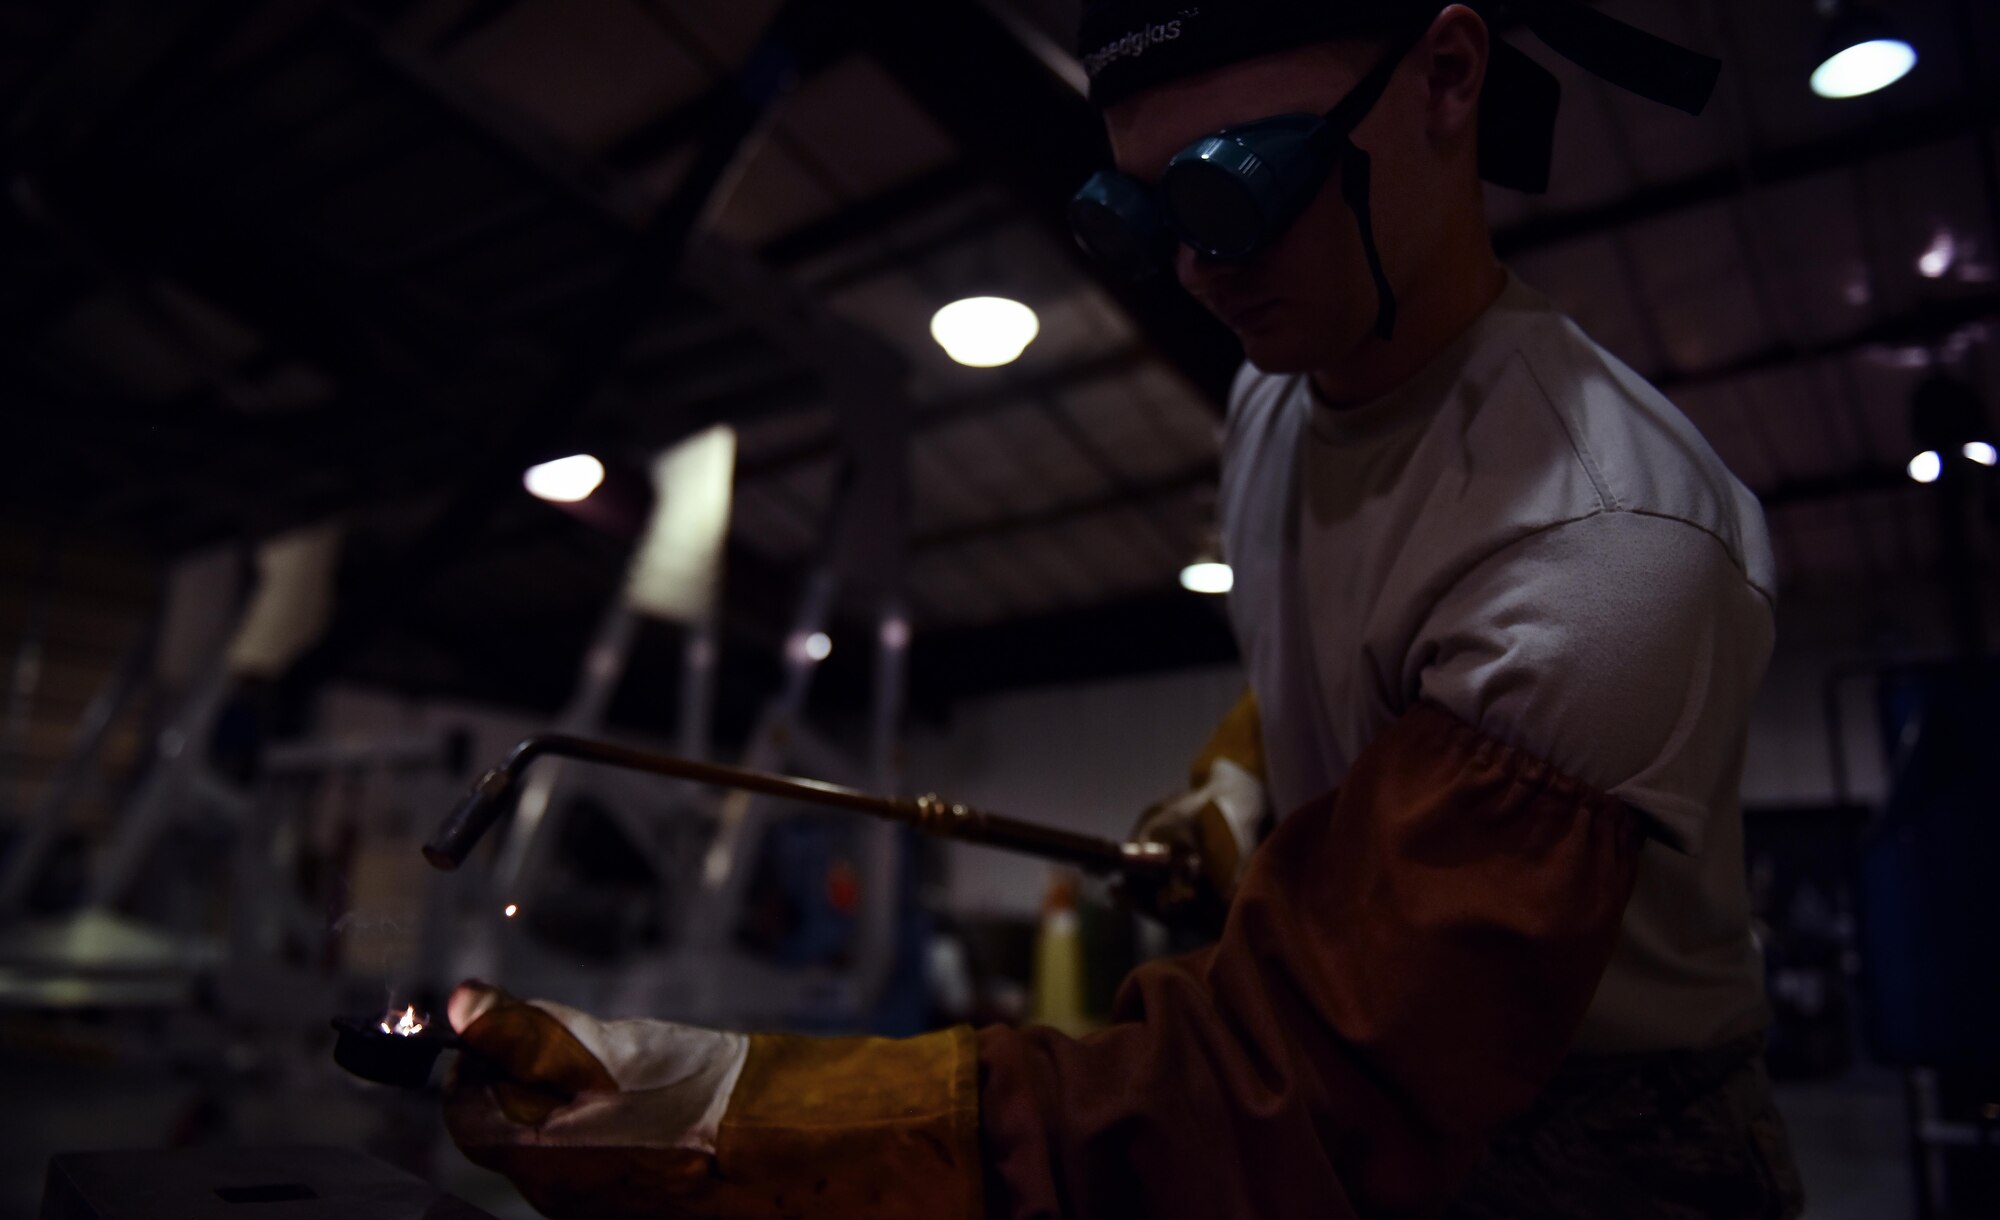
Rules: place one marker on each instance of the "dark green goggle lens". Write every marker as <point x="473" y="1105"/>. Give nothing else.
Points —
<point x="1215" y="212"/>
<point x="1117" y="221"/>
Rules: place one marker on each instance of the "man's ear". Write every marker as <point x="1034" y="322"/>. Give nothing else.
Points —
<point x="1455" y="49"/>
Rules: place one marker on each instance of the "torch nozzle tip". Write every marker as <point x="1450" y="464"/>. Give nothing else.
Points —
<point x="469" y="821"/>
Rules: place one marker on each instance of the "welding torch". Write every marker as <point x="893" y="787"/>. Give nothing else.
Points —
<point x="1136" y="864"/>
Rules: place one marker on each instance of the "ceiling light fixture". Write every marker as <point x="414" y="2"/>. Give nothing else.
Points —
<point x="1207" y="576"/>
<point x="1946" y="415"/>
<point x="985" y="332"/>
<point x="565" y="480"/>
<point x="1862" y="54"/>
<point x="1938" y="257"/>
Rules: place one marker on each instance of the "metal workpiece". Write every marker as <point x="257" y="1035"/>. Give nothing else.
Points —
<point x="370" y="1048"/>
<point x="469" y="821"/>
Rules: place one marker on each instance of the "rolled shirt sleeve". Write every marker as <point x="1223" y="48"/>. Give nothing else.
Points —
<point x="1623" y="647"/>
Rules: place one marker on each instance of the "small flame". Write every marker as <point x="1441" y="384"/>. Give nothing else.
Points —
<point x="511" y="908"/>
<point x="407" y="1023"/>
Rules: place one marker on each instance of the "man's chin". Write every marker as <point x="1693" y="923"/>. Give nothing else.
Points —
<point x="1278" y="352"/>
<point x="1292" y="349"/>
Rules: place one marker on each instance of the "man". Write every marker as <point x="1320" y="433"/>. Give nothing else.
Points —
<point x="1502" y="611"/>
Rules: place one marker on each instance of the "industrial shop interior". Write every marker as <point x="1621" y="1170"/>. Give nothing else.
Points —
<point x="999" y="609"/>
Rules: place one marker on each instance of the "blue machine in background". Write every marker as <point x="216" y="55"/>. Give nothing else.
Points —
<point x="1931" y="967"/>
<point x="801" y="913"/>
<point x="1925" y="877"/>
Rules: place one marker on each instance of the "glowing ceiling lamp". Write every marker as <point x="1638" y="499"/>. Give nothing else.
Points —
<point x="815" y="648"/>
<point x="1946" y="416"/>
<point x="1207" y="576"/>
<point x="1938" y="257"/>
<point x="565" y="480"/>
<point x="896" y="632"/>
<point x="985" y="332"/>
<point x="1863" y="53"/>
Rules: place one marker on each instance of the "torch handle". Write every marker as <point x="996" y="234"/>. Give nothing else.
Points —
<point x="931" y="814"/>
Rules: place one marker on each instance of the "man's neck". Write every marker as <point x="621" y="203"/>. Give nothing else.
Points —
<point x="1434" y="315"/>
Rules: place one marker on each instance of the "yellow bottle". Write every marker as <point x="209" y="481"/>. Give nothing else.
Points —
<point x="1057" y="996"/>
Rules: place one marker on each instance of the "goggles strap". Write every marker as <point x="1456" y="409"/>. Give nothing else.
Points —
<point x="1336" y="140"/>
<point x="1347" y="114"/>
<point x="1355" y="173"/>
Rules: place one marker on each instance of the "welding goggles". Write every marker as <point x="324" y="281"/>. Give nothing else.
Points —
<point x="1231" y="195"/>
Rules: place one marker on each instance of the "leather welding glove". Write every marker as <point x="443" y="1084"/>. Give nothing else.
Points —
<point x="1218" y="820"/>
<point x="651" y="1118"/>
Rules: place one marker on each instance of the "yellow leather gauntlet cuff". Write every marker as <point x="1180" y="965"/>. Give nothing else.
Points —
<point x="852" y="1127"/>
<point x="830" y="1128"/>
<point x="1239" y="739"/>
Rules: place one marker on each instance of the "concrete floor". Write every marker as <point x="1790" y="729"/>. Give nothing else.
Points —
<point x="1849" y="1135"/>
<point x="71" y="1094"/>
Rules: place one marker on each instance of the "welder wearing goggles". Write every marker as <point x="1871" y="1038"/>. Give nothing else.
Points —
<point x="1474" y="836"/>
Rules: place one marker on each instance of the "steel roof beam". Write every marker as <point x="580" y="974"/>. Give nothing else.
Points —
<point x="1953" y="119"/>
<point x="1139" y="493"/>
<point x="1018" y="392"/>
<point x="874" y="216"/>
<point x="1927" y="322"/>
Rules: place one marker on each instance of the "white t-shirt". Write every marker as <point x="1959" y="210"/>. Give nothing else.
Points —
<point x="1530" y="535"/>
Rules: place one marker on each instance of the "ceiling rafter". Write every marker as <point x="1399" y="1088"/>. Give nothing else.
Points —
<point x="976" y="224"/>
<point x="1927" y="322"/>
<point x="1953" y="119"/>
<point x="478" y="17"/>
<point x="949" y="411"/>
<point x="1168" y="488"/>
<point x="873" y="217"/>
<point x="666" y="133"/>
<point x="1845" y="484"/>
<point x="1750" y="223"/>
